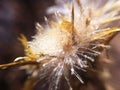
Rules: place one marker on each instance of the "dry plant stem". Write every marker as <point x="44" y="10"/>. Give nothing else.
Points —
<point x="29" y="84"/>
<point x="4" y="66"/>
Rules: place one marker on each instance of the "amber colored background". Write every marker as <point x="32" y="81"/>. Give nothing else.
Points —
<point x="19" y="17"/>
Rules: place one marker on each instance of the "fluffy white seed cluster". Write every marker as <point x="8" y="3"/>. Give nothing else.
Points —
<point x="72" y="41"/>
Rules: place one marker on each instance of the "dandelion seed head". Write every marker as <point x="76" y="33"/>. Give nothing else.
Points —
<point x="74" y="39"/>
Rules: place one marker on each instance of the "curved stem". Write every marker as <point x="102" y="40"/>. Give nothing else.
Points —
<point x="12" y="64"/>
